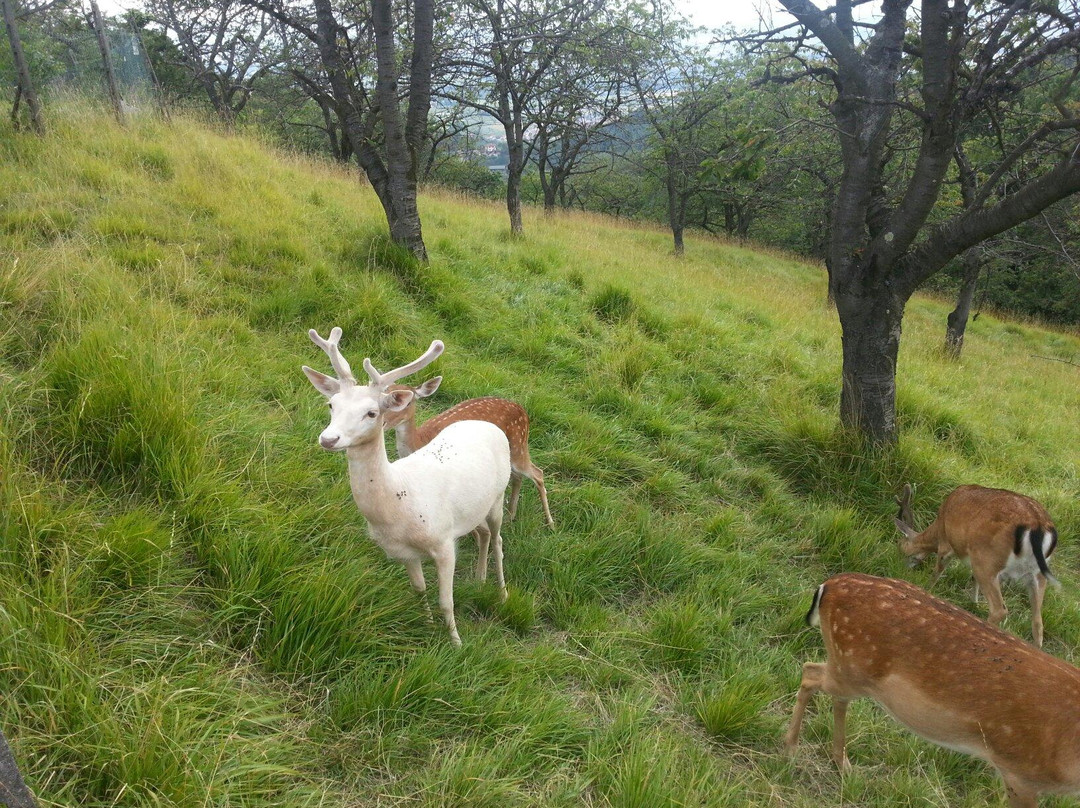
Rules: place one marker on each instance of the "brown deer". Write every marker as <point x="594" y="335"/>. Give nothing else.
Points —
<point x="508" y="415"/>
<point x="950" y="678"/>
<point x="1002" y="534"/>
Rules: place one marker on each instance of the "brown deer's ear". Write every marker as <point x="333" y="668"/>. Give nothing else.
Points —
<point x="428" y="388"/>
<point x="395" y="400"/>
<point x="904" y="528"/>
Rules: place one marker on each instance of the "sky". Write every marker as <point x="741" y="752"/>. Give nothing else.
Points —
<point x="707" y="13"/>
<point x="740" y="13"/>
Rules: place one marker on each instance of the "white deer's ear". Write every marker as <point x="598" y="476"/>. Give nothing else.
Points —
<point x="327" y="385"/>
<point x="428" y="388"/>
<point x="396" y="400"/>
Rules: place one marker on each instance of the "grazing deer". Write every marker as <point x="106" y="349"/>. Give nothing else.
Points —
<point x="418" y="506"/>
<point x="508" y="415"/>
<point x="950" y="678"/>
<point x="1000" y="533"/>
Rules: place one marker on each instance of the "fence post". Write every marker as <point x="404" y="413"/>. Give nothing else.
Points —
<point x="106" y="60"/>
<point x="26" y="89"/>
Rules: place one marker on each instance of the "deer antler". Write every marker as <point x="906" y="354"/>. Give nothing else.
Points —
<point x="330" y="348"/>
<point x="904" y="501"/>
<point x="391" y="376"/>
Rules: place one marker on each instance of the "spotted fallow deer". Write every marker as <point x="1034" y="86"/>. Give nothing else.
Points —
<point x="949" y="677"/>
<point x="1002" y="534"/>
<point x="418" y="506"/>
<point x="508" y="415"/>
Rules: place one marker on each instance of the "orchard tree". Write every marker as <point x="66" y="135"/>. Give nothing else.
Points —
<point x="507" y="54"/>
<point x="349" y="40"/>
<point x="226" y="45"/>
<point x="678" y="93"/>
<point x="577" y="108"/>
<point x="888" y="234"/>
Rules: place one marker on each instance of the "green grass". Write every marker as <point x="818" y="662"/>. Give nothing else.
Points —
<point x="191" y="613"/>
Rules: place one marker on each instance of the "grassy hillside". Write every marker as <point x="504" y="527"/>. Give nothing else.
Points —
<point x="192" y="615"/>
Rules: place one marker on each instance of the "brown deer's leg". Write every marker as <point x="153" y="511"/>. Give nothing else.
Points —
<point x="537" y="476"/>
<point x="839" y="738"/>
<point x="515" y="492"/>
<point x="1036" y="589"/>
<point x="813" y="679"/>
<point x="991" y="587"/>
<point x="1019" y="793"/>
<point x="940" y="560"/>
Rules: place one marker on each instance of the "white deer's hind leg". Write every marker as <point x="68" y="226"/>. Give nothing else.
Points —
<point x="483" y="540"/>
<point x="444" y="566"/>
<point x="494" y="523"/>
<point x="416" y="578"/>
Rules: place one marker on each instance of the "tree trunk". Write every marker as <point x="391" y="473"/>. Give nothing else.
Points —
<point x="729" y="219"/>
<point x="547" y="186"/>
<point x="676" y="209"/>
<point x="514" y="169"/>
<point x="21" y="68"/>
<point x="106" y="62"/>
<point x="958" y="317"/>
<point x="870" y="326"/>
<point x="403" y="215"/>
<point x="13" y="790"/>
<point x="549" y="201"/>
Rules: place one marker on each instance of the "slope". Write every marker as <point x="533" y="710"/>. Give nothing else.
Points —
<point x="191" y="614"/>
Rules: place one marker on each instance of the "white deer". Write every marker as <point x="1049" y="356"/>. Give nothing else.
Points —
<point x="418" y="506"/>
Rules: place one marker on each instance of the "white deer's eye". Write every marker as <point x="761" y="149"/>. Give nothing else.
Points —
<point x="371" y="414"/>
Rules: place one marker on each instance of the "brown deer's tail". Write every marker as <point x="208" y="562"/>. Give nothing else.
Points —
<point x="812" y="616"/>
<point x="1037" y="538"/>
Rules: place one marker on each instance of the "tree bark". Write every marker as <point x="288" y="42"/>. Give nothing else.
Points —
<point x="13" y="790"/>
<point x="958" y="317"/>
<point x="402" y="213"/>
<point x="870" y="328"/>
<point x="106" y="62"/>
<point x="676" y="205"/>
<point x="21" y="69"/>
<point x="514" y="169"/>
<point x="880" y="252"/>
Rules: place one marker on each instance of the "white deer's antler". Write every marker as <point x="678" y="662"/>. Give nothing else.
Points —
<point x="391" y="376"/>
<point x="330" y="348"/>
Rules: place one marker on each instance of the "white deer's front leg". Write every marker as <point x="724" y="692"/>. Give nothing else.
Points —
<point x="416" y="578"/>
<point x="444" y="566"/>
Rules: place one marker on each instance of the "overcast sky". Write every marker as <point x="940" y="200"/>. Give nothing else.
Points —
<point x="707" y="13"/>
<point x="740" y="13"/>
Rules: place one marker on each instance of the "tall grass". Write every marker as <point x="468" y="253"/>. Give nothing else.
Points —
<point x="191" y="613"/>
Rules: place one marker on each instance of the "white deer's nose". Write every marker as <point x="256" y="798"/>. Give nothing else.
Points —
<point x="328" y="441"/>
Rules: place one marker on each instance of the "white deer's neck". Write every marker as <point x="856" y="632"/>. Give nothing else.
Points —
<point x="371" y="480"/>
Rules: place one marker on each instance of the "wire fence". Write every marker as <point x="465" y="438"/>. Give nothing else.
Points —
<point x="64" y="58"/>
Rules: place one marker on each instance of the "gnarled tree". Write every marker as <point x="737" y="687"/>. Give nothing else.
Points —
<point x="386" y="144"/>
<point x="226" y="46"/>
<point x="507" y="52"/>
<point x="889" y="234"/>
